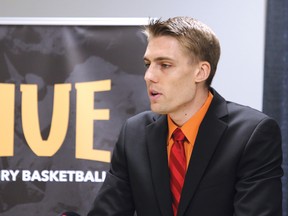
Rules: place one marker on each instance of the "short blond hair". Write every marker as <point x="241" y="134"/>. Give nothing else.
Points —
<point x="195" y="37"/>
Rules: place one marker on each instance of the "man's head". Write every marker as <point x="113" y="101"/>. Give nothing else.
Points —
<point x="181" y="59"/>
<point x="195" y="37"/>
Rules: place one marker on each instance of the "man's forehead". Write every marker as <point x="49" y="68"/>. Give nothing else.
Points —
<point x="163" y="48"/>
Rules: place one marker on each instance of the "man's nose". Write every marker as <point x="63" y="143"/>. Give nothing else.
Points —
<point x="150" y="74"/>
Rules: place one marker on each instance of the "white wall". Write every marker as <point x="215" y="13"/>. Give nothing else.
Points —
<point x="240" y="26"/>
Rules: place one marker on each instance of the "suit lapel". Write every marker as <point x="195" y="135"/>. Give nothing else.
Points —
<point x="209" y="134"/>
<point x="157" y="148"/>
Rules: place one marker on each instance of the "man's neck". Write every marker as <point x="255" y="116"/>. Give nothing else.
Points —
<point x="180" y="117"/>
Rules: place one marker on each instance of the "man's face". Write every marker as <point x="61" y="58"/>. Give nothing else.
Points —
<point x="170" y="76"/>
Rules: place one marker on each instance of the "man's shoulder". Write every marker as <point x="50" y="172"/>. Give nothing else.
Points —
<point x="145" y="117"/>
<point x="244" y="109"/>
<point x="237" y="113"/>
<point x="234" y="109"/>
<point x="247" y="115"/>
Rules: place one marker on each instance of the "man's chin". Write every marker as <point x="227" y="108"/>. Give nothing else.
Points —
<point x="157" y="110"/>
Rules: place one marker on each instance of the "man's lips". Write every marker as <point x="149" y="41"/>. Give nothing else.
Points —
<point x="154" y="94"/>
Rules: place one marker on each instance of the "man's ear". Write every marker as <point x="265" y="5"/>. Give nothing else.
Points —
<point x="204" y="71"/>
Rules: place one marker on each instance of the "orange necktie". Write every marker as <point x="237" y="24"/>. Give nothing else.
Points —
<point x="177" y="167"/>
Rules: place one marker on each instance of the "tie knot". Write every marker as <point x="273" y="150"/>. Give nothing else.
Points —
<point x="178" y="135"/>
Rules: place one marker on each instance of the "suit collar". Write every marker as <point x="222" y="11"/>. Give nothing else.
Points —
<point x="157" y="149"/>
<point x="209" y="135"/>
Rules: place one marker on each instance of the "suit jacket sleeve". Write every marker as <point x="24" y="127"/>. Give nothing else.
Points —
<point x="258" y="187"/>
<point x="115" y="197"/>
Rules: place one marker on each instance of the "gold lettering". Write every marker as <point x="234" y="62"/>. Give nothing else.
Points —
<point x="85" y="116"/>
<point x="59" y="123"/>
<point x="7" y="101"/>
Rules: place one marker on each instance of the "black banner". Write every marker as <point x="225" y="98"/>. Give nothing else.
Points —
<point x="65" y="91"/>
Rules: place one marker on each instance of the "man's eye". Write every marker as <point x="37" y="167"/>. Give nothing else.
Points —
<point x="165" y="65"/>
<point x="146" y="65"/>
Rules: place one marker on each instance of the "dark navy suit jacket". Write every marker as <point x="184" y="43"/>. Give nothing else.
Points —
<point x="235" y="168"/>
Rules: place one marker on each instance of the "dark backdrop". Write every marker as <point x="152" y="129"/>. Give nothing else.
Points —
<point x="275" y="98"/>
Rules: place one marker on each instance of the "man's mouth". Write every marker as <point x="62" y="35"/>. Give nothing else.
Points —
<point x="154" y="93"/>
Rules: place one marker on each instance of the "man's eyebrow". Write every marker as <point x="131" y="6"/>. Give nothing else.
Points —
<point x="159" y="59"/>
<point x="145" y="58"/>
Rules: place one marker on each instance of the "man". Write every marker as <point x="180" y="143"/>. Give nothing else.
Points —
<point x="230" y="160"/>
